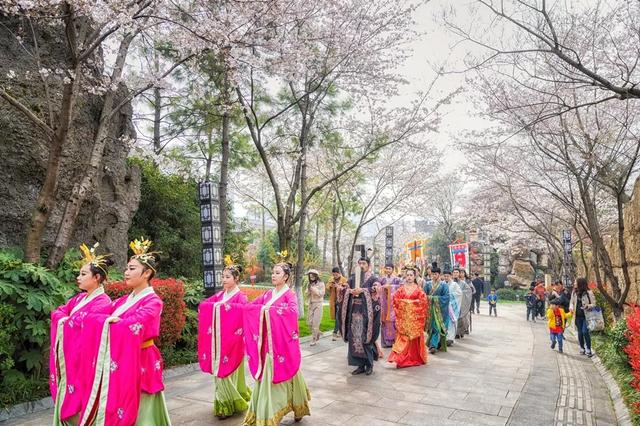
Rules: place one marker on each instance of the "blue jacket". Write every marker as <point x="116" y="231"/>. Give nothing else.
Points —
<point x="492" y="298"/>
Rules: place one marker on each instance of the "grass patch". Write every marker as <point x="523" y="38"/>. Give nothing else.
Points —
<point x="326" y="324"/>
<point x="608" y="347"/>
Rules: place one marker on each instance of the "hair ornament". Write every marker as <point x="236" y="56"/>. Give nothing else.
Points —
<point x="89" y="257"/>
<point x="140" y="248"/>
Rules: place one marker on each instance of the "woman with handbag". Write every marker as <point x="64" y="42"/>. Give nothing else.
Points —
<point x="582" y="300"/>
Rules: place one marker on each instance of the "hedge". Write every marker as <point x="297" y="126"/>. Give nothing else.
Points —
<point x="173" y="319"/>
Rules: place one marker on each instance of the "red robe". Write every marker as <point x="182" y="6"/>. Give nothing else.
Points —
<point x="411" y="313"/>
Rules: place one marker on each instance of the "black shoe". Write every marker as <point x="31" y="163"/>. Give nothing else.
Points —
<point x="368" y="370"/>
<point x="432" y="350"/>
<point x="449" y="342"/>
<point x="358" y="370"/>
<point x="553" y="345"/>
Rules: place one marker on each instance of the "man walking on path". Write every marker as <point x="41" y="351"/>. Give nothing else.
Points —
<point x="361" y="319"/>
<point x="336" y="286"/>
<point x="540" y="292"/>
<point x="438" y="294"/>
<point x="478" y="284"/>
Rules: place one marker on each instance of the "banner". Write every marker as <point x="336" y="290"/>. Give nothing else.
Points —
<point x="460" y="256"/>
<point x="415" y="250"/>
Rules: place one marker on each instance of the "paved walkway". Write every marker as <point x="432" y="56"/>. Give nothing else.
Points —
<point x="504" y="373"/>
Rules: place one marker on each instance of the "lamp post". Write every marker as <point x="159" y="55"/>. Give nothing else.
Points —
<point x="211" y="236"/>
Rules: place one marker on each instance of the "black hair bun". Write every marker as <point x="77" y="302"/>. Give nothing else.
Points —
<point x="109" y="262"/>
<point x="239" y="268"/>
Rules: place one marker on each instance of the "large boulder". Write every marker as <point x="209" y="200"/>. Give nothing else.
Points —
<point x="107" y="213"/>
<point x="522" y="273"/>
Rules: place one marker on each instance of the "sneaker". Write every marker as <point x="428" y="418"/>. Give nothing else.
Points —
<point x="553" y="345"/>
<point x="313" y="343"/>
<point x="560" y="350"/>
<point x="589" y="353"/>
<point x="582" y="351"/>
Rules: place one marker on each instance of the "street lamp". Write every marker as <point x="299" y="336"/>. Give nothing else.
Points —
<point x="211" y="236"/>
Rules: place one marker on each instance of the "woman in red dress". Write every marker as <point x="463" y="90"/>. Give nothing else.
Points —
<point x="411" y="306"/>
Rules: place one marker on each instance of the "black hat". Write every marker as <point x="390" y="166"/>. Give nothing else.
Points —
<point x="335" y="269"/>
<point x="435" y="268"/>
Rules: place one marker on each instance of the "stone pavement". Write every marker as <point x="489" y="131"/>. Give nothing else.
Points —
<point x="504" y="373"/>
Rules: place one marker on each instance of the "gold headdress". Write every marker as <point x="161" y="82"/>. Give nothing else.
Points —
<point x="89" y="256"/>
<point x="411" y="266"/>
<point x="231" y="265"/>
<point x="282" y="256"/>
<point x="141" y="252"/>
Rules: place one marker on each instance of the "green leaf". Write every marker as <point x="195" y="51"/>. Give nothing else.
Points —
<point x="33" y="359"/>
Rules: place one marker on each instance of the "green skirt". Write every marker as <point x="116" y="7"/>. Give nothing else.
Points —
<point x="232" y="394"/>
<point x="271" y="402"/>
<point x="153" y="410"/>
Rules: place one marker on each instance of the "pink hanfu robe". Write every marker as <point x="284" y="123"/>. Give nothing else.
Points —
<point x="273" y="353"/>
<point x="128" y="364"/>
<point x="221" y="334"/>
<point x="71" y="369"/>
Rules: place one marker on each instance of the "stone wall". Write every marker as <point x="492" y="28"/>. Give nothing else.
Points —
<point x="107" y="214"/>
<point x="632" y="243"/>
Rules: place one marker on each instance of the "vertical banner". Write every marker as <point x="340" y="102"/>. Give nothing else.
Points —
<point x="460" y="256"/>
<point x="211" y="236"/>
<point x="388" y="246"/>
<point x="415" y="249"/>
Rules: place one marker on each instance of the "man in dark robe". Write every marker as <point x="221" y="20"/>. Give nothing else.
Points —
<point x="361" y="319"/>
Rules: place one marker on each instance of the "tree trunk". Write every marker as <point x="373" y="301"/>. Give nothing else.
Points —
<point x="334" y="232"/>
<point x="226" y="151"/>
<point x="324" y="247"/>
<point x="82" y="188"/>
<point x="157" y="114"/>
<point x="47" y="196"/>
<point x="301" y="234"/>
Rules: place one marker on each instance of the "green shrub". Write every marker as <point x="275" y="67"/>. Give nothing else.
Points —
<point x="28" y="294"/>
<point x="510" y="294"/>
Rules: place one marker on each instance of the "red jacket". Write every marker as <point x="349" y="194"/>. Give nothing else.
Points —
<point x="539" y="291"/>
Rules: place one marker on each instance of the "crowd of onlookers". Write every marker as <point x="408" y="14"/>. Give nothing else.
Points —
<point x="559" y="306"/>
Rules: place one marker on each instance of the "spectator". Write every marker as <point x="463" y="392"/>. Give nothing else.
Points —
<point x="560" y="293"/>
<point x="478" y="284"/>
<point x="315" y="295"/>
<point x="492" y="298"/>
<point x="540" y="292"/>
<point x="556" y="317"/>
<point x="531" y="300"/>
<point x="582" y="300"/>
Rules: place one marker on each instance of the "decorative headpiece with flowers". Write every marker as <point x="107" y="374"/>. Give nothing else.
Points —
<point x="142" y="254"/>
<point x="89" y="257"/>
<point x="231" y="265"/>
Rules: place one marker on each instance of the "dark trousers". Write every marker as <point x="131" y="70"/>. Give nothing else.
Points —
<point x="531" y="311"/>
<point x="583" y="332"/>
<point x="338" y="311"/>
<point x="540" y="308"/>
<point x="476" y="300"/>
<point x="492" y="308"/>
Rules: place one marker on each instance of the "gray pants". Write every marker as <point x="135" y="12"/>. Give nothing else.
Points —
<point x="314" y="316"/>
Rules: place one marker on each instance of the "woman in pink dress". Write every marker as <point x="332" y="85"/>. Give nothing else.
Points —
<point x="221" y="344"/>
<point x="70" y="373"/>
<point x="127" y="387"/>
<point x="273" y="352"/>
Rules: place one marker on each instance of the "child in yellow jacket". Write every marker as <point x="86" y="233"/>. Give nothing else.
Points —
<point x="557" y="318"/>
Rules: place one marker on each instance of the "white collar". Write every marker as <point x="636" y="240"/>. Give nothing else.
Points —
<point x="275" y="295"/>
<point x="87" y="298"/>
<point x="132" y="299"/>
<point x="226" y="296"/>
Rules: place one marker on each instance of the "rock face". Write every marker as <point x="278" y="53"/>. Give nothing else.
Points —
<point x="632" y="243"/>
<point x="106" y="215"/>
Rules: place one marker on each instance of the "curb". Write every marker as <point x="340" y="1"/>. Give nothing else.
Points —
<point x="623" y="417"/>
<point x="619" y="407"/>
